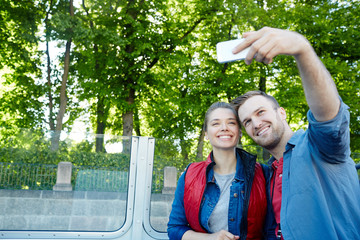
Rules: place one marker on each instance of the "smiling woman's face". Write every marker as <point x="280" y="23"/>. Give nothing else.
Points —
<point x="223" y="130"/>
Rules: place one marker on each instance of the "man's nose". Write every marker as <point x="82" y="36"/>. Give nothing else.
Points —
<point x="256" y="122"/>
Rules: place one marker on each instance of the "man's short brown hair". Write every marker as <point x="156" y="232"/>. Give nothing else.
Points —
<point x="237" y="102"/>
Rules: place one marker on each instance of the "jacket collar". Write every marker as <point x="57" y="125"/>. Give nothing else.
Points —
<point x="245" y="165"/>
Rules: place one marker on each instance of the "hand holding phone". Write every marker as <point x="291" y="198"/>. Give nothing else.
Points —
<point x="224" y="51"/>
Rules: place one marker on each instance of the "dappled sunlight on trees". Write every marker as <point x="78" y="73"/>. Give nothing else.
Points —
<point x="149" y="67"/>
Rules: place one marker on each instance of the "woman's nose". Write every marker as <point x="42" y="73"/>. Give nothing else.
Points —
<point x="223" y="126"/>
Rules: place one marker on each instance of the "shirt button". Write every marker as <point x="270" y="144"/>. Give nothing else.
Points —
<point x="231" y="219"/>
<point x="235" y="195"/>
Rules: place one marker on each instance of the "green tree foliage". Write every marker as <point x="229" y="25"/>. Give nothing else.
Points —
<point x="19" y="96"/>
<point x="149" y="67"/>
<point x="335" y="36"/>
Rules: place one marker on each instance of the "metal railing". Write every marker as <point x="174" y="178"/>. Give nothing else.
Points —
<point x="27" y="176"/>
<point x="101" y="179"/>
<point x="84" y="178"/>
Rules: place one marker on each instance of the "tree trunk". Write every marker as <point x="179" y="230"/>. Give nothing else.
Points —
<point x="63" y="98"/>
<point x="101" y="110"/>
<point x="200" y="147"/>
<point x="128" y="119"/>
<point x="102" y="114"/>
<point x="128" y="115"/>
<point x="184" y="149"/>
<point x="137" y="122"/>
<point x="127" y="123"/>
<point x="51" y="105"/>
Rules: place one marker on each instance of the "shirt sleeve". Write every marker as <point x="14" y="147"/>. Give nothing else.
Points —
<point x="178" y="224"/>
<point x="331" y="138"/>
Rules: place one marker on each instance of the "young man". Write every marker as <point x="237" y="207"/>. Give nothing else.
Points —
<point x="315" y="189"/>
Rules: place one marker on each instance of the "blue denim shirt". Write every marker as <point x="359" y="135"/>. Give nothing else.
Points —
<point x="320" y="191"/>
<point x="178" y="224"/>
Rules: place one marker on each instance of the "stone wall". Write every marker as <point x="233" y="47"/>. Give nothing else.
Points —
<point x="63" y="209"/>
<point x="73" y="210"/>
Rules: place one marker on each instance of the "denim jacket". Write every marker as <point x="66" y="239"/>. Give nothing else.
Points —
<point x="178" y="223"/>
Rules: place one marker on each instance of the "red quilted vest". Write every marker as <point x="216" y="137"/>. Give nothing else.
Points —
<point x="195" y="181"/>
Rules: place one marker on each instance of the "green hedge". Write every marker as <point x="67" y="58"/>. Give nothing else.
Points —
<point x="32" y="148"/>
<point x="46" y="156"/>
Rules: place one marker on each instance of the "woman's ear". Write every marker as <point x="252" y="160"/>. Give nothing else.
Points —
<point x="206" y="136"/>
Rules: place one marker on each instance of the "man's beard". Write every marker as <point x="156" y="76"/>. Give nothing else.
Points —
<point x="275" y="138"/>
<point x="273" y="143"/>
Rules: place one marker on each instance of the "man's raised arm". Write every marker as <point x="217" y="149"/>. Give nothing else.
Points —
<point x="320" y="90"/>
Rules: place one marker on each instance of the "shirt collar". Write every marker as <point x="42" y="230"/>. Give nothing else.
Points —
<point x="291" y="143"/>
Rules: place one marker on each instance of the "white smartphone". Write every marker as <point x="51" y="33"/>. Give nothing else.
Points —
<point x="224" y="51"/>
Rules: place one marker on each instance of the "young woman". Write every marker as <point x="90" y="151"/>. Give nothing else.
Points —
<point x="224" y="197"/>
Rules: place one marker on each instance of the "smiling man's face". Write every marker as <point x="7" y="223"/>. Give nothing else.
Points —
<point x="263" y="121"/>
